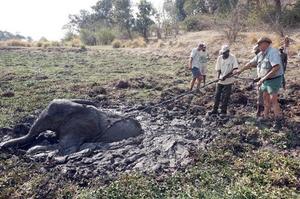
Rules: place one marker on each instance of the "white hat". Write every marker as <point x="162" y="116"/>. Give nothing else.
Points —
<point x="224" y="49"/>
<point x="202" y="44"/>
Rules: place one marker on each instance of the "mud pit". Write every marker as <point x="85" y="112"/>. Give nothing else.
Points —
<point x="173" y="134"/>
<point x="171" y="138"/>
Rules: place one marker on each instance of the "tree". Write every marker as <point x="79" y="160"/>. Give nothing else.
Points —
<point x="103" y="13"/>
<point x="78" y="21"/>
<point x="123" y="15"/>
<point x="193" y="7"/>
<point x="179" y="4"/>
<point x="144" y="21"/>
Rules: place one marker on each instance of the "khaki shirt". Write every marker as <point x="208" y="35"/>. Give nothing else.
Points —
<point x="266" y="61"/>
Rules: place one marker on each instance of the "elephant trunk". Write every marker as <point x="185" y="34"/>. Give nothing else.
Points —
<point x="39" y="126"/>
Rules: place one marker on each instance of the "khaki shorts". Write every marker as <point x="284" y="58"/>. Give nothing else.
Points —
<point x="203" y="70"/>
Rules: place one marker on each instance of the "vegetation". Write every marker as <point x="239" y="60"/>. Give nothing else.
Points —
<point x="233" y="16"/>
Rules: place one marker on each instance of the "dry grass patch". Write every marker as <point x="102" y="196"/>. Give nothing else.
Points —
<point x="117" y="43"/>
<point x="15" y="43"/>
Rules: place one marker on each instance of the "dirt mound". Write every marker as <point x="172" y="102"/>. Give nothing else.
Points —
<point x="122" y="85"/>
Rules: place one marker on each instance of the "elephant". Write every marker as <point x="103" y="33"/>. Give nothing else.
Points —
<point x="76" y="122"/>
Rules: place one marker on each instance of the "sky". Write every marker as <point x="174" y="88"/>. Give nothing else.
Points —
<point x="41" y="18"/>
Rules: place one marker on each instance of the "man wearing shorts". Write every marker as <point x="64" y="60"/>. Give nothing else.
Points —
<point x="270" y="69"/>
<point x="195" y="65"/>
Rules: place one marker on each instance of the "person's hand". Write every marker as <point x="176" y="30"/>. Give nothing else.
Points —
<point x="260" y="82"/>
<point x="237" y="72"/>
<point x="256" y="80"/>
<point x="189" y="67"/>
<point x="222" y="78"/>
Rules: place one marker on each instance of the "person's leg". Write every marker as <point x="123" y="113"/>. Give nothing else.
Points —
<point x="277" y="112"/>
<point x="275" y="105"/>
<point x="267" y="105"/>
<point x="199" y="79"/>
<point x="192" y="83"/>
<point x="218" y="94"/>
<point x="204" y="79"/>
<point x="260" y="103"/>
<point x="225" y="98"/>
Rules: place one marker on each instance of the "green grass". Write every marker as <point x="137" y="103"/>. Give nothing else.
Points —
<point x="67" y="70"/>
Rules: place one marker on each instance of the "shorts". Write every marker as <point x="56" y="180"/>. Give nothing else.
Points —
<point x="272" y="86"/>
<point x="196" y="72"/>
<point x="203" y="70"/>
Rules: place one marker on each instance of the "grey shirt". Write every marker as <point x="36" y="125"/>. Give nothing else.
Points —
<point x="266" y="61"/>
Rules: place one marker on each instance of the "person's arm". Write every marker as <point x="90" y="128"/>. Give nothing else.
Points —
<point x="191" y="59"/>
<point x="218" y="74"/>
<point x="248" y="66"/>
<point x="218" y="68"/>
<point x="190" y="63"/>
<point x="270" y="74"/>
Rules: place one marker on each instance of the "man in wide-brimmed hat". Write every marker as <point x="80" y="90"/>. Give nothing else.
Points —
<point x="270" y="70"/>
<point x="226" y="64"/>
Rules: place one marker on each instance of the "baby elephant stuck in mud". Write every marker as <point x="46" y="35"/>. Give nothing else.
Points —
<point x="76" y="122"/>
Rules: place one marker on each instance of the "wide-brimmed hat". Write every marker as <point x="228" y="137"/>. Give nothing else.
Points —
<point x="224" y="49"/>
<point x="264" y="39"/>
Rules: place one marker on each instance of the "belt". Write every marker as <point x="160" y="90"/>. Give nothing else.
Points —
<point x="273" y="78"/>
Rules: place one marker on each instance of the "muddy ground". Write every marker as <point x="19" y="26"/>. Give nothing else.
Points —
<point x="177" y="135"/>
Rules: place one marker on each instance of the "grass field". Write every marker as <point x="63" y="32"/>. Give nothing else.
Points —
<point x="234" y="166"/>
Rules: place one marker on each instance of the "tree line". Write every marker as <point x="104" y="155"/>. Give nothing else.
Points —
<point x="110" y="19"/>
<point x="5" y="35"/>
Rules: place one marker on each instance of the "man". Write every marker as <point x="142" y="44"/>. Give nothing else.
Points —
<point x="284" y="59"/>
<point x="195" y="65"/>
<point x="226" y="64"/>
<point x="270" y="69"/>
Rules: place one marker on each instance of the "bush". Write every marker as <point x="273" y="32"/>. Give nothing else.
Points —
<point x="105" y="37"/>
<point x="75" y="42"/>
<point x="88" y="37"/>
<point x="291" y="16"/>
<point x="137" y="43"/>
<point x="46" y="44"/>
<point x="196" y="23"/>
<point x="83" y="48"/>
<point x="55" y="44"/>
<point x="17" y="43"/>
<point x="39" y="44"/>
<point x="117" y="44"/>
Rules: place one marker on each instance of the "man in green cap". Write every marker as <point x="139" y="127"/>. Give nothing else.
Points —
<point x="270" y="70"/>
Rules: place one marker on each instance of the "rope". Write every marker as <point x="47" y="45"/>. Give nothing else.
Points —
<point x="184" y="94"/>
<point x="172" y="99"/>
